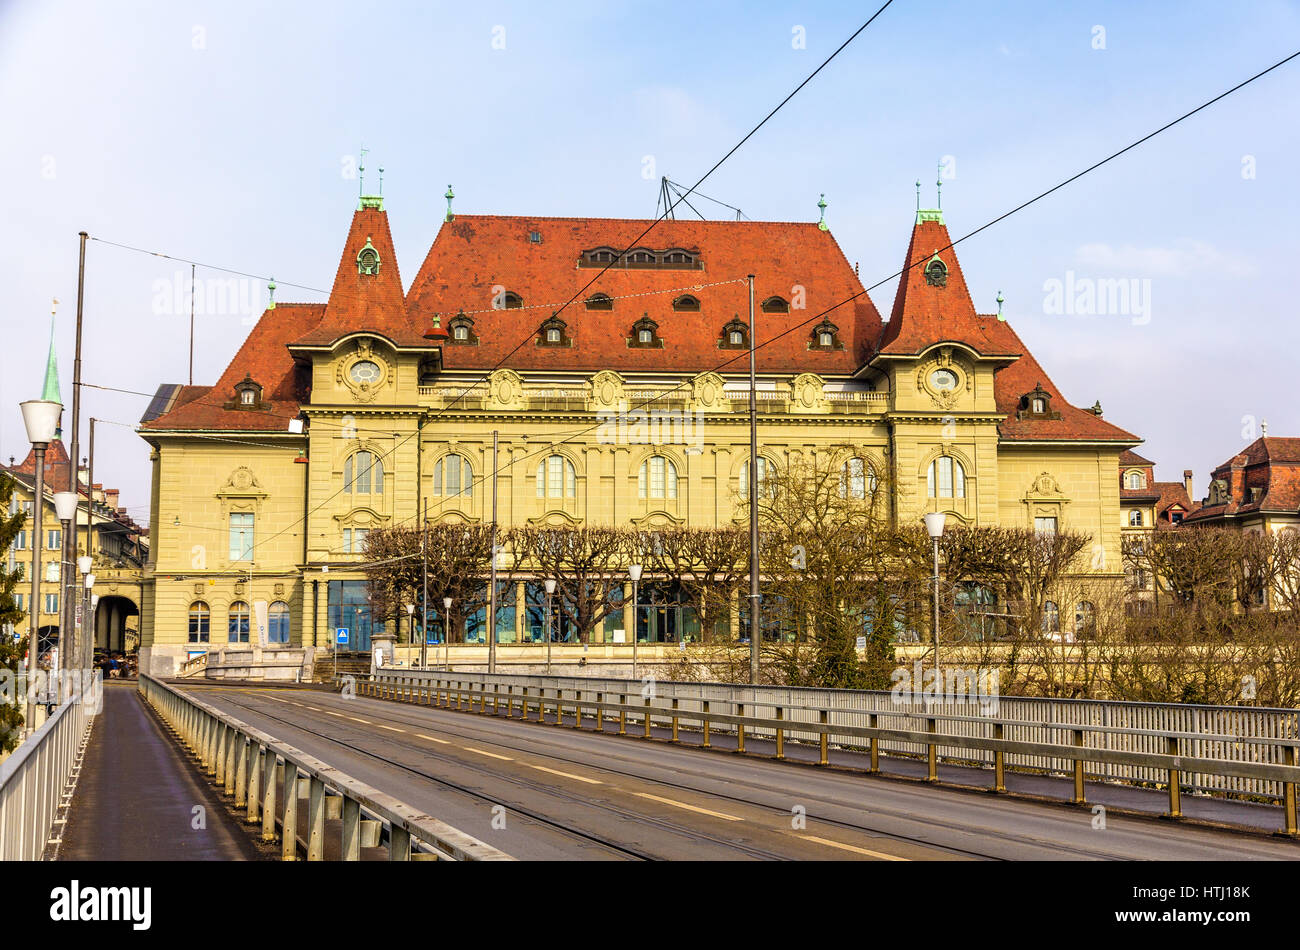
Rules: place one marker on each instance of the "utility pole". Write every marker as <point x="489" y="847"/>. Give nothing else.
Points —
<point x="67" y="612"/>
<point x="87" y="626"/>
<point x="492" y="584"/>
<point x="755" y="620"/>
<point x="424" y="600"/>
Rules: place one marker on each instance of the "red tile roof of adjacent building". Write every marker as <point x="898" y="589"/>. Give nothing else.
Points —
<point x="265" y="357"/>
<point x="475" y="258"/>
<point x="1270" y="464"/>
<point x="1130" y="459"/>
<point x="58" y="468"/>
<point x="1173" y="494"/>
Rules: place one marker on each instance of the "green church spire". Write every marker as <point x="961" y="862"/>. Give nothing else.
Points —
<point x="51" y="391"/>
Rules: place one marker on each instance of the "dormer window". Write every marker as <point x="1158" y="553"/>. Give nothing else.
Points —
<point x="511" y="301"/>
<point x="461" y="330"/>
<point x="678" y="258"/>
<point x="368" y="259"/>
<point x="776" y="305"/>
<point x="641" y="258"/>
<point x="735" y="336"/>
<point x="645" y="334"/>
<point x="825" y="336"/>
<point x="600" y="302"/>
<point x="686" y="304"/>
<point x="1135" y="481"/>
<point x="936" y="272"/>
<point x="673" y="258"/>
<point x="554" y="333"/>
<point x="1037" y="404"/>
<point x="248" y="395"/>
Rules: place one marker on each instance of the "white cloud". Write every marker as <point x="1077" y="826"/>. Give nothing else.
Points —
<point x="1184" y="259"/>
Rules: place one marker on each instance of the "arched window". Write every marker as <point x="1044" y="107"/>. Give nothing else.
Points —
<point x="556" y="478"/>
<point x="946" y="478"/>
<point x="200" y="620"/>
<point x="600" y="302"/>
<point x="237" y="630"/>
<point x="277" y="623"/>
<point x="1051" y="617"/>
<point x="1085" y="619"/>
<point x="657" y="478"/>
<point x="1135" y="519"/>
<point x="363" y="474"/>
<point x="776" y="305"/>
<point x="512" y="301"/>
<point x="857" y="479"/>
<point x="765" y="486"/>
<point x="452" y="475"/>
<point x="687" y="304"/>
<point x="1135" y="480"/>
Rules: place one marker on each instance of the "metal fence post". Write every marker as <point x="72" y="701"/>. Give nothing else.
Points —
<point x="823" y="741"/>
<point x="351" y="829"/>
<point x="705" y="720"/>
<point x="316" y="820"/>
<point x="1175" y="792"/>
<point x="740" y="728"/>
<point x="241" y="771"/>
<point x="1288" y="794"/>
<point x="874" y="766"/>
<point x="256" y="766"/>
<point x="399" y="844"/>
<point x="999" y="761"/>
<point x="931" y="753"/>
<point x="268" y="797"/>
<point x="289" y="823"/>
<point x="780" y="735"/>
<point x="1078" y="798"/>
<point x="675" y="719"/>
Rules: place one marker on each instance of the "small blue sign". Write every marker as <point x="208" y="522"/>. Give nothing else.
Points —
<point x="341" y="634"/>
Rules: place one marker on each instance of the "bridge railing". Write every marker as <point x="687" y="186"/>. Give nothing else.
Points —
<point x="255" y="768"/>
<point x="1094" y="742"/>
<point x="34" y="777"/>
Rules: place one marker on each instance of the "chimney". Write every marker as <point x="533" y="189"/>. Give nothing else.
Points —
<point x="111" y="496"/>
<point x="1237" y="480"/>
<point x="1187" y="482"/>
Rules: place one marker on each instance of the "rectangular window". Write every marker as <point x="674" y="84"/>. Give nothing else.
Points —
<point x="354" y="540"/>
<point x="555" y="476"/>
<point x="51" y="603"/>
<point x="1045" y="526"/>
<point x="241" y="536"/>
<point x="20" y="542"/>
<point x="19" y="602"/>
<point x="54" y="539"/>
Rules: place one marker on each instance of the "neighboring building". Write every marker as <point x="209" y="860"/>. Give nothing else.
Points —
<point x="1146" y="504"/>
<point x="1256" y="489"/>
<point x="334" y="419"/>
<point x="119" y="550"/>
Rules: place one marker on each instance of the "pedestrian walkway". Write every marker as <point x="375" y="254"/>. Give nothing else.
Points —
<point x="140" y="799"/>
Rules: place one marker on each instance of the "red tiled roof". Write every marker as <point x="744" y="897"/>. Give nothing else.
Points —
<point x="57" y="467"/>
<point x="266" y="358"/>
<point x="474" y="254"/>
<point x="1270" y="464"/>
<point x="1171" y="494"/>
<point x="1128" y="459"/>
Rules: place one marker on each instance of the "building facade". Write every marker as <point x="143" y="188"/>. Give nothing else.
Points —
<point x="615" y="390"/>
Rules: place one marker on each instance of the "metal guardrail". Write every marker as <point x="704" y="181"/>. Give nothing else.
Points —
<point x="1081" y="749"/>
<point x="33" y="779"/>
<point x="252" y="766"/>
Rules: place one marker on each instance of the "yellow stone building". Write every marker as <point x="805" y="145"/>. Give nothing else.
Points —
<point x="617" y="389"/>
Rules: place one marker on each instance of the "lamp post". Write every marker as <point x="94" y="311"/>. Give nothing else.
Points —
<point x="87" y="635"/>
<point x="446" y="631"/>
<point x="424" y="596"/>
<point x="65" y="509"/>
<point x="41" y="419"/>
<point x="549" y="584"/>
<point x="934" y="527"/>
<point x="91" y="599"/>
<point x="410" y="621"/>
<point x="634" y="575"/>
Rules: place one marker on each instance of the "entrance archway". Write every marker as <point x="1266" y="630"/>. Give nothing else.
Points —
<point x="117" y="624"/>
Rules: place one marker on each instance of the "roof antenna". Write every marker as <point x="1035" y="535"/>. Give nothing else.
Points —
<point x="1000" y="299"/>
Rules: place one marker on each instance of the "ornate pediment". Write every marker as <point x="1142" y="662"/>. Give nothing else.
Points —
<point x="708" y="391"/>
<point x="242" y="483"/>
<point x="809" y="393"/>
<point x="1045" y="488"/>
<point x="606" y="390"/>
<point x="506" y="390"/>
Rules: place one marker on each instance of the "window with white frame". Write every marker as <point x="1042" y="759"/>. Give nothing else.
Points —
<point x="241" y="536"/>
<point x="945" y="478"/>
<point x="363" y="474"/>
<point x="657" y="478"/>
<point x="452" y="475"/>
<point x="556" y="478"/>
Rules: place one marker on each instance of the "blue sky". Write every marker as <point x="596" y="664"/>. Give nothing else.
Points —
<point x="226" y="132"/>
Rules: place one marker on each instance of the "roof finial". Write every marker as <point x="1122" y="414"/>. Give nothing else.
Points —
<point x="1263" y="428"/>
<point x="938" y="189"/>
<point x="449" y="195"/>
<point x="918" y="194"/>
<point x="381" y="180"/>
<point x="822" y="205"/>
<point x="1000" y="299"/>
<point x="361" y="173"/>
<point x="271" y="289"/>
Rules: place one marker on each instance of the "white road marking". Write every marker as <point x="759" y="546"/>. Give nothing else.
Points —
<point x="702" y="811"/>
<point x="849" y="847"/>
<point x="433" y="739"/>
<point x="580" y="778"/>
<point x="504" y="758"/>
<point x="355" y="719"/>
<point x="390" y="728"/>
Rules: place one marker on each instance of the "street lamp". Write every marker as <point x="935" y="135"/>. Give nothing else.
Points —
<point x="410" y="621"/>
<point x="549" y="584"/>
<point x="41" y="419"/>
<point x="446" y="631"/>
<point x="934" y="527"/>
<point x="65" y="509"/>
<point x="87" y="625"/>
<point x="634" y="575"/>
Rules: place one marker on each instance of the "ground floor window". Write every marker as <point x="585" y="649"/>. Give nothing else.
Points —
<point x="349" y="609"/>
<point x="277" y="623"/>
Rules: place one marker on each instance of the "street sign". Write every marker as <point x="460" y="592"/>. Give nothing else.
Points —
<point x="341" y="635"/>
<point x="862" y="643"/>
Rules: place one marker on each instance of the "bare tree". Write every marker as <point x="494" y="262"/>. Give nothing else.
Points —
<point x="588" y="564"/>
<point x="710" y="564"/>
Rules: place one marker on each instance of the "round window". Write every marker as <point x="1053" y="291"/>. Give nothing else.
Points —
<point x="943" y="380"/>
<point x="364" y="372"/>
